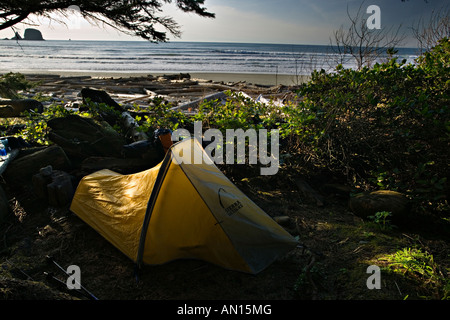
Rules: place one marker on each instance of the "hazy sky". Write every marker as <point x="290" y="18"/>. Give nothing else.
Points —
<point x="264" y="21"/>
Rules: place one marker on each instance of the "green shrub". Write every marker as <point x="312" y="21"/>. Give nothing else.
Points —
<point x="382" y="219"/>
<point x="420" y="265"/>
<point x="11" y="83"/>
<point x="160" y="116"/>
<point x="36" y="129"/>
<point x="238" y="112"/>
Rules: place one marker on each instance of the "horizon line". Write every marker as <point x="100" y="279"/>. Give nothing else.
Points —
<point x="192" y="41"/>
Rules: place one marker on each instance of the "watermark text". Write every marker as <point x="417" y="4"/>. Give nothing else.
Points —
<point x="232" y="148"/>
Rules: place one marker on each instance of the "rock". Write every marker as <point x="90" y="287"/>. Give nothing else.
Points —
<point x="282" y="220"/>
<point x="46" y="171"/>
<point x="337" y="190"/>
<point x="367" y="204"/>
<point x="21" y="170"/>
<point x="32" y="34"/>
<point x="16" y="37"/>
<point x="309" y="193"/>
<point x="84" y="137"/>
<point x="138" y="149"/>
<point x="55" y="186"/>
<point x="122" y="166"/>
<point x="4" y="205"/>
<point x="40" y="182"/>
<point x="61" y="190"/>
<point x="15" y="108"/>
<point x="29" y="34"/>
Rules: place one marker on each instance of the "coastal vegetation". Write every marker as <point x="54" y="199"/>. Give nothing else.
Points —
<point x="384" y="127"/>
<point x="381" y="127"/>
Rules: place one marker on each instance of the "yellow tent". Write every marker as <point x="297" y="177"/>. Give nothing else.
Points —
<point x="181" y="210"/>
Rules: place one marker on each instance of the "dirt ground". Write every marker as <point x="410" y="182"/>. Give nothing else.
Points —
<point x="331" y="264"/>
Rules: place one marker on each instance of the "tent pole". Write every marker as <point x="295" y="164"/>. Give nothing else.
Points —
<point x="151" y="204"/>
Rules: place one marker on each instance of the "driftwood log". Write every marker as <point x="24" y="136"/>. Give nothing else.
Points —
<point x="196" y="103"/>
<point x="132" y="128"/>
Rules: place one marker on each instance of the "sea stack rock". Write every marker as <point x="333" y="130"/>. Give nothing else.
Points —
<point x="17" y="37"/>
<point x="32" y="34"/>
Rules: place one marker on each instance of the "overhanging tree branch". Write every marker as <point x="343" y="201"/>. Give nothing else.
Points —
<point x="136" y="17"/>
<point x="11" y="22"/>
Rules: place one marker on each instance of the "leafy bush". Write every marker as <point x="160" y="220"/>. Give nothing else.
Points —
<point x="382" y="220"/>
<point x="11" y="83"/>
<point x="238" y="112"/>
<point x="160" y="116"/>
<point x="36" y="129"/>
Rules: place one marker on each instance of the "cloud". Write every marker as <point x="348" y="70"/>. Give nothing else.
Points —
<point x="233" y="25"/>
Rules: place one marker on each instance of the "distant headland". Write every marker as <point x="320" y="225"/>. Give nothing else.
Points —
<point x="29" y="34"/>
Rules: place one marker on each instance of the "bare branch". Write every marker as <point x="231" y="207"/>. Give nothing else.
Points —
<point x="429" y="32"/>
<point x="360" y="43"/>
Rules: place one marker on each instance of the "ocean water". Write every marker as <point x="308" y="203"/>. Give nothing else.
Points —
<point x="145" y="57"/>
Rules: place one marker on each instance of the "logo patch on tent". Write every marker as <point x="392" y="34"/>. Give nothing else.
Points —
<point x="228" y="202"/>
